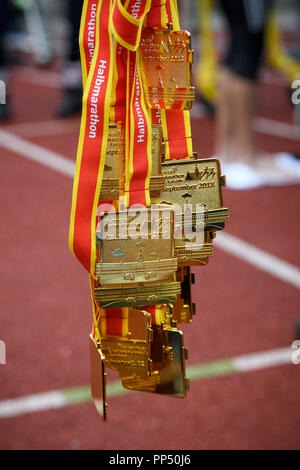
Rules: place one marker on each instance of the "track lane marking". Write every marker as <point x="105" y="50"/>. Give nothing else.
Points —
<point x="258" y="258"/>
<point x="77" y="395"/>
<point x="277" y="128"/>
<point x="37" y="153"/>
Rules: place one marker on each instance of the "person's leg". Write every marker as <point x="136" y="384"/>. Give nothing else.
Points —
<point x="244" y="106"/>
<point x="224" y="124"/>
<point x="224" y="121"/>
<point x="238" y="89"/>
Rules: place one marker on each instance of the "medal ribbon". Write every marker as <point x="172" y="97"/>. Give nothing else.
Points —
<point x="139" y="161"/>
<point x="87" y="36"/>
<point x="176" y="124"/>
<point x="157" y="14"/>
<point x="127" y="22"/>
<point x="92" y="143"/>
<point x="128" y="107"/>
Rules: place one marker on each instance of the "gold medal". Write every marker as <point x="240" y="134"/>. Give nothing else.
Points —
<point x="114" y="169"/>
<point x="196" y="182"/>
<point x="136" y="260"/>
<point x="166" y="58"/>
<point x="131" y="355"/>
<point x="171" y="379"/>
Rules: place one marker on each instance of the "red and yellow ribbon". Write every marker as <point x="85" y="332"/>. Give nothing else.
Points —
<point x="176" y="124"/>
<point x="92" y="141"/>
<point x="113" y="91"/>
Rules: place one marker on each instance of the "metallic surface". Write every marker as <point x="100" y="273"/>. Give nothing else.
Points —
<point x="193" y="256"/>
<point x="184" y="309"/>
<point x="137" y="296"/>
<point x="166" y="60"/>
<point x="148" y="258"/>
<point x="195" y="182"/>
<point x="98" y="378"/>
<point x="169" y="380"/>
<point x="131" y="355"/>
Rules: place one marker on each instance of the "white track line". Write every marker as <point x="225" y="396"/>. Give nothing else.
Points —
<point x="58" y="399"/>
<point x="37" y="153"/>
<point x="256" y="361"/>
<point x="31" y="403"/>
<point x="260" y="259"/>
<point x="277" y="128"/>
<point x="233" y="245"/>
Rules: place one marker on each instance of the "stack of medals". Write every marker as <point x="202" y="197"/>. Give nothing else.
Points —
<point x="154" y="206"/>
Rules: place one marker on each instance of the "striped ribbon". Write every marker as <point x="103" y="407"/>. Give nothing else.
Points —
<point x="92" y="139"/>
<point x="176" y="124"/>
<point x="113" y="90"/>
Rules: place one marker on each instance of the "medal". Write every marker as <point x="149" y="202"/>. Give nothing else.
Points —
<point x="131" y="355"/>
<point x="171" y="379"/>
<point x="166" y="59"/>
<point x="125" y="258"/>
<point x="196" y="182"/>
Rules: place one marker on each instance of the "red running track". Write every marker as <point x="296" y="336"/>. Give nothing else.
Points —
<point x="46" y="309"/>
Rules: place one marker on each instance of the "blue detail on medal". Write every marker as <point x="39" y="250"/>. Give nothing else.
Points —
<point x="118" y="252"/>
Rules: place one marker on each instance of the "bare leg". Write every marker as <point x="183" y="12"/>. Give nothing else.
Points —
<point x="224" y="124"/>
<point x="236" y="110"/>
<point x="243" y="107"/>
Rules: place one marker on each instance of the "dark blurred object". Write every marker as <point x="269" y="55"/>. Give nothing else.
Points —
<point x="70" y="103"/>
<point x="71" y="72"/>
<point x="247" y="21"/>
<point x="9" y="14"/>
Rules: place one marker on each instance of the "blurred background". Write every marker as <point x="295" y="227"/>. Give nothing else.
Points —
<point x="243" y="357"/>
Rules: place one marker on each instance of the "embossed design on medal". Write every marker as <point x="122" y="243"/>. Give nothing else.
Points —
<point x="207" y="172"/>
<point x="114" y="163"/>
<point x="114" y="169"/>
<point x="130" y="355"/>
<point x="196" y="181"/>
<point x="138" y="272"/>
<point x="166" y="59"/>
